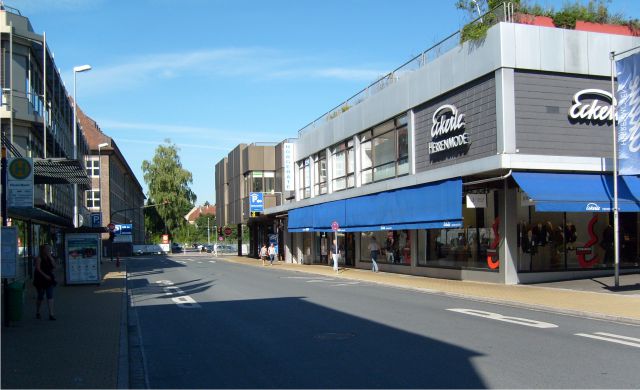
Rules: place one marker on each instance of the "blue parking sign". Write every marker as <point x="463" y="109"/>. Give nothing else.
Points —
<point x="256" y="201"/>
<point x="96" y="219"/>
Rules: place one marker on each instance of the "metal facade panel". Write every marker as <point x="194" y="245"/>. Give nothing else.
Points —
<point x="542" y="122"/>
<point x="478" y="103"/>
<point x="552" y="57"/>
<point x="527" y="56"/>
<point x="576" y="53"/>
<point x="598" y="46"/>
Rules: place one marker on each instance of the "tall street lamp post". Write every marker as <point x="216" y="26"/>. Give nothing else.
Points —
<point x="76" y="70"/>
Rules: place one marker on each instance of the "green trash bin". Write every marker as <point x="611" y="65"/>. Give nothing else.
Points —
<point x="16" y="300"/>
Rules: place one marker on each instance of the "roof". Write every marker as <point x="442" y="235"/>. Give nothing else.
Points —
<point x="197" y="211"/>
<point x="59" y="171"/>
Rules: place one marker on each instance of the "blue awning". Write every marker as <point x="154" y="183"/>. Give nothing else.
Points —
<point x="428" y="206"/>
<point x="577" y="192"/>
<point x="300" y="220"/>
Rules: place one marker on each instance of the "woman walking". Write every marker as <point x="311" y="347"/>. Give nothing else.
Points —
<point x="44" y="279"/>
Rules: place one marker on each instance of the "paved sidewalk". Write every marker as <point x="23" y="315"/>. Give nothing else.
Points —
<point x="78" y="350"/>
<point x="593" y="298"/>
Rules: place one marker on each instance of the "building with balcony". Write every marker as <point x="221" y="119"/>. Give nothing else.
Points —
<point x="486" y="160"/>
<point x="36" y="119"/>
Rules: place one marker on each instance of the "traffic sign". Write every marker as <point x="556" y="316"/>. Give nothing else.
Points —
<point x="96" y="219"/>
<point x="256" y="201"/>
<point x="335" y="226"/>
<point x="227" y="231"/>
<point x="111" y="227"/>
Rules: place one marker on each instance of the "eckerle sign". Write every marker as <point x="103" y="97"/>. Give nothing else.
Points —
<point x="592" y="111"/>
<point x="446" y="123"/>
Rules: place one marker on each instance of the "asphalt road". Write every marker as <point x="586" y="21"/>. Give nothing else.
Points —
<point x="207" y="323"/>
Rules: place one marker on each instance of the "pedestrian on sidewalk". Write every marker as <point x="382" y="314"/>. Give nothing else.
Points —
<point x="44" y="279"/>
<point x="335" y="255"/>
<point x="215" y="249"/>
<point x="374" y="251"/>
<point x="272" y="253"/>
<point x="263" y="253"/>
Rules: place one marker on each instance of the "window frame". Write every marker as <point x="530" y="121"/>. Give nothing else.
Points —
<point x="392" y="130"/>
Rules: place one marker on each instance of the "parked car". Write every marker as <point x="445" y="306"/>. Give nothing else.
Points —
<point x="176" y="248"/>
<point x="207" y="248"/>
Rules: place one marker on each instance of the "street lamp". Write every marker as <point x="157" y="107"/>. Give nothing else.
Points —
<point x="76" y="70"/>
<point x="100" y="146"/>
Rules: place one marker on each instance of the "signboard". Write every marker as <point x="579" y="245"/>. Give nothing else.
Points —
<point x="20" y="182"/>
<point x="628" y="114"/>
<point x="335" y="226"/>
<point x="9" y="251"/>
<point x="165" y="238"/>
<point x="448" y="130"/>
<point x="256" y="201"/>
<point x="82" y="257"/>
<point x="96" y="219"/>
<point x="227" y="231"/>
<point x="288" y="167"/>
<point x="123" y="229"/>
<point x="476" y="201"/>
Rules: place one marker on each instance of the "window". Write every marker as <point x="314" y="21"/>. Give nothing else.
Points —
<point x="343" y="165"/>
<point x="304" y="175"/>
<point x="320" y="186"/>
<point x="93" y="167"/>
<point x="92" y="199"/>
<point x="259" y="181"/>
<point x="384" y="151"/>
<point x="394" y="246"/>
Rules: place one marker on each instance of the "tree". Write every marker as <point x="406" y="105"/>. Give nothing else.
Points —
<point x="169" y="182"/>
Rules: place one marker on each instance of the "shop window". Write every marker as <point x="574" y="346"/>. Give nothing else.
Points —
<point x="395" y="246"/>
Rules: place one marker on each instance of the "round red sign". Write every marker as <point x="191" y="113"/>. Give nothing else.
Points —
<point x="227" y="231"/>
<point x="335" y="226"/>
<point x="111" y="227"/>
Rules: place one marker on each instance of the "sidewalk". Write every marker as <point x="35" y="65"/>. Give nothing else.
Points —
<point x="80" y="349"/>
<point x="593" y="298"/>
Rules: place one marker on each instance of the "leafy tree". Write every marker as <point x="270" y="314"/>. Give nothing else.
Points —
<point x="169" y="182"/>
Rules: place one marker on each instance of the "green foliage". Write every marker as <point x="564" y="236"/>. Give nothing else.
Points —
<point x="169" y="182"/>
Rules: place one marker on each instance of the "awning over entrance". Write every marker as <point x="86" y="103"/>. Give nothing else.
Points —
<point x="577" y="192"/>
<point x="428" y="206"/>
<point x="59" y="171"/>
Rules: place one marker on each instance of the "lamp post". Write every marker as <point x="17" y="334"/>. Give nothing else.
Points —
<point x="76" y="70"/>
<point x="100" y="146"/>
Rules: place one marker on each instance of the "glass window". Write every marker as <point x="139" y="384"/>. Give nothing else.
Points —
<point x="93" y="167"/>
<point x="342" y="161"/>
<point x="92" y="198"/>
<point x="394" y="246"/>
<point x="305" y="178"/>
<point x="385" y="151"/>
<point x="321" y="173"/>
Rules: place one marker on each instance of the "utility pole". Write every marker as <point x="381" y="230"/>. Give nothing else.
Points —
<point x="208" y="236"/>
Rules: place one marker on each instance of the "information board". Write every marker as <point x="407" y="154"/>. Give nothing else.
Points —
<point x="82" y="256"/>
<point x="9" y="252"/>
<point x="20" y="182"/>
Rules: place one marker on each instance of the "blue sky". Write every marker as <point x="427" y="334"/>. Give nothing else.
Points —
<point x="210" y="74"/>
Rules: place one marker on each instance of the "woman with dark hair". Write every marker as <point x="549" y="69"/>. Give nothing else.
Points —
<point x="44" y="279"/>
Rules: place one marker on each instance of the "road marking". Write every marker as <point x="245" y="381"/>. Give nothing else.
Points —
<point x="182" y="300"/>
<point x="212" y="261"/>
<point x="614" y="338"/>
<point x="199" y="262"/>
<point x="500" y="317"/>
<point x="345" y="284"/>
<point x="181" y="262"/>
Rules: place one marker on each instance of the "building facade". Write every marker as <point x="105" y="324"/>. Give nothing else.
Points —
<point x="490" y="161"/>
<point x="36" y="115"/>
<point x="115" y="193"/>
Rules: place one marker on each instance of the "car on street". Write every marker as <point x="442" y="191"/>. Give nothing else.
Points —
<point x="176" y="248"/>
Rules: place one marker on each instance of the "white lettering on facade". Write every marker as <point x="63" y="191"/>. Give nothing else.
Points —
<point x="592" y="207"/>
<point x="446" y="120"/>
<point x="592" y="111"/>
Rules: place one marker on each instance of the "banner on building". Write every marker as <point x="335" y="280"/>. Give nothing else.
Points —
<point x="628" y="114"/>
<point x="288" y="166"/>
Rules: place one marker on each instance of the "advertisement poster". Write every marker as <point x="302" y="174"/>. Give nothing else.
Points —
<point x="82" y="253"/>
<point x="628" y="115"/>
<point x="9" y="254"/>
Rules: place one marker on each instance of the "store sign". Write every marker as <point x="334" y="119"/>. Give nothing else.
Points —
<point x="288" y="166"/>
<point x="476" y="201"/>
<point x="593" y="105"/>
<point x="447" y="131"/>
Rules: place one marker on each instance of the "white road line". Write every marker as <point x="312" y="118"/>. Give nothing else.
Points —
<point x="346" y="284"/>
<point x="614" y="338"/>
<point x="212" y="261"/>
<point x="199" y="262"/>
<point x="182" y="300"/>
<point x="500" y="317"/>
<point x="319" y="280"/>
<point x="181" y="262"/>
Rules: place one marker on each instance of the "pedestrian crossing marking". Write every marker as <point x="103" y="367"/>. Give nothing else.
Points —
<point x="614" y="338"/>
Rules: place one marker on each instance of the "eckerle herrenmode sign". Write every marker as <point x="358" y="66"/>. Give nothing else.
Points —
<point x="592" y="111"/>
<point x="446" y="122"/>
